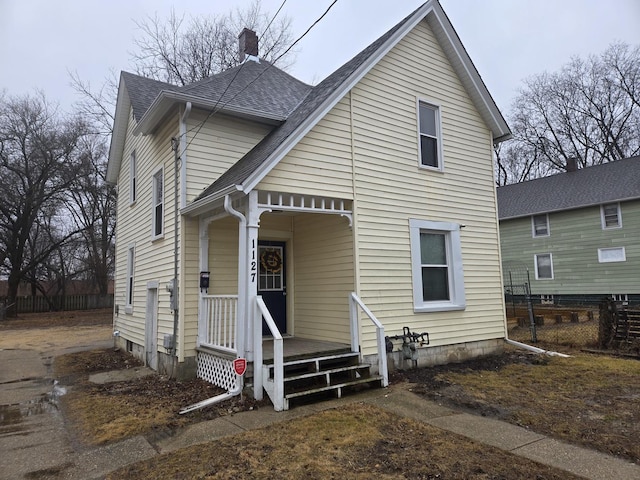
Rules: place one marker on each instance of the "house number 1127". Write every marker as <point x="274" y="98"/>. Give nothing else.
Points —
<point x="254" y="264"/>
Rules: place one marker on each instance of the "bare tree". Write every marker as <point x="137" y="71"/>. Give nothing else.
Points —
<point x="182" y="52"/>
<point x="39" y="156"/>
<point x="589" y="111"/>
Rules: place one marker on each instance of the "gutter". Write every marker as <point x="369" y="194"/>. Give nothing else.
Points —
<point x="196" y="206"/>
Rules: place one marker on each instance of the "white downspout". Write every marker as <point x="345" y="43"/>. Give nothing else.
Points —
<point x="183" y="150"/>
<point x="535" y="349"/>
<point x="240" y="329"/>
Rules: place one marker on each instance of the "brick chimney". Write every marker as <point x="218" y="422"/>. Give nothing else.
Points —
<point x="247" y="44"/>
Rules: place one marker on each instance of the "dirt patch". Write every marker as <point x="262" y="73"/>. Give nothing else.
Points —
<point x="354" y="441"/>
<point x="58" y="319"/>
<point x="586" y="399"/>
<point x="99" y="414"/>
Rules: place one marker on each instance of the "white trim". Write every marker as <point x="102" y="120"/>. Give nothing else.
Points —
<point x="183" y="154"/>
<point x="154" y="204"/>
<point x="451" y="231"/>
<point x="533" y="225"/>
<point x="437" y="108"/>
<point x="603" y="220"/>
<point x="535" y="263"/>
<point x="604" y="258"/>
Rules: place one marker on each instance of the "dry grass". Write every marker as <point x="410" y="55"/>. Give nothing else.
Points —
<point x="586" y="399"/>
<point x="355" y="441"/>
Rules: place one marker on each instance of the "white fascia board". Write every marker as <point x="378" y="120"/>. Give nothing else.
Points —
<point x="119" y="134"/>
<point x="446" y="34"/>
<point x="166" y="99"/>
<point x="285" y="147"/>
<point x="200" y="206"/>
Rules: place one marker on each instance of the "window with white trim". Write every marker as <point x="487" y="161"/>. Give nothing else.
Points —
<point x="544" y="266"/>
<point x="132" y="177"/>
<point x="131" y="255"/>
<point x="436" y="262"/>
<point x="158" y="204"/>
<point x="429" y="132"/>
<point x="615" y="254"/>
<point x="540" y="225"/>
<point x="610" y="216"/>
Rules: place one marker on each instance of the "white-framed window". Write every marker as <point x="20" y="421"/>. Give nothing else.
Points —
<point x="610" y="216"/>
<point x="614" y="254"/>
<point x="133" y="164"/>
<point x="544" y="266"/>
<point x="131" y="256"/>
<point x="546" y="299"/>
<point x="430" y="138"/>
<point x="158" y="205"/>
<point x="540" y="225"/>
<point x="436" y="262"/>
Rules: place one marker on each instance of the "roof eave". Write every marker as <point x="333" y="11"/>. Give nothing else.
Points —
<point x="167" y="99"/>
<point x="118" y="135"/>
<point x="203" y="205"/>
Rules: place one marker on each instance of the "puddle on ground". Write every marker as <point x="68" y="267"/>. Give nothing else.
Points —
<point x="12" y="416"/>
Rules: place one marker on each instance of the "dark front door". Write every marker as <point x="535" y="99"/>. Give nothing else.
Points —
<point x="272" y="282"/>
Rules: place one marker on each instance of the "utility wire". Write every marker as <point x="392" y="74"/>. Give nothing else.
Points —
<point x="270" y="64"/>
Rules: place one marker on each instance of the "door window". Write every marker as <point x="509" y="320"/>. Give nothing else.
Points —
<point x="271" y="271"/>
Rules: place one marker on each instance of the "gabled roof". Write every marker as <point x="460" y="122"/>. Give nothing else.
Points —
<point x="248" y="171"/>
<point x="606" y="183"/>
<point x="255" y="90"/>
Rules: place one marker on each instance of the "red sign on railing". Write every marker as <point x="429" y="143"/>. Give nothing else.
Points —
<point x="240" y="366"/>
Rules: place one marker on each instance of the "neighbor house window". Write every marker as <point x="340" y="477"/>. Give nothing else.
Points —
<point x="540" y="225"/>
<point x="132" y="178"/>
<point x="430" y="141"/>
<point x="610" y="215"/>
<point x="158" y="203"/>
<point x="131" y="255"/>
<point x="606" y="255"/>
<point x="436" y="258"/>
<point x="544" y="266"/>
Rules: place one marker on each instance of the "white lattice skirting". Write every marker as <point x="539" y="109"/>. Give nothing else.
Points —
<point x="216" y="370"/>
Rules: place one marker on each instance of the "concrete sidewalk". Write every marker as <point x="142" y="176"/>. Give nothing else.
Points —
<point x="505" y="436"/>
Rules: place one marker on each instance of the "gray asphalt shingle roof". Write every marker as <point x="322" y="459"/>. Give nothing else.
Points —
<point x="609" y="182"/>
<point x="143" y="91"/>
<point x="239" y="172"/>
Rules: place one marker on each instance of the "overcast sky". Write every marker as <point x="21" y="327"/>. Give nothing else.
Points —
<point x="508" y="40"/>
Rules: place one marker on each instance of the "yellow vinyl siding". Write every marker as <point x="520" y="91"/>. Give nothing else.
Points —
<point x="189" y="284"/>
<point x="223" y="257"/>
<point x="214" y="148"/>
<point x="391" y="188"/>
<point x="323" y="277"/>
<point x="320" y="164"/>
<point x="153" y="259"/>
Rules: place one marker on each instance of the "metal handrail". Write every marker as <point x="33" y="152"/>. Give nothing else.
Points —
<point x="354" y="302"/>
<point x="278" y="355"/>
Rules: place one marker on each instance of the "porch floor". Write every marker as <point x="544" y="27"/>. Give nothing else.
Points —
<point x="297" y="348"/>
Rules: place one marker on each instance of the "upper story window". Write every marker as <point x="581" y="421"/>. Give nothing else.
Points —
<point x="544" y="266"/>
<point x="430" y="138"/>
<point x="613" y="254"/>
<point x="158" y="204"/>
<point x="132" y="177"/>
<point x="540" y="225"/>
<point x="610" y="215"/>
<point x="436" y="258"/>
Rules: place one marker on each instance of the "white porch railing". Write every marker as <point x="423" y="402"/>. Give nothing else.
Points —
<point x="218" y="326"/>
<point x="274" y="388"/>
<point x="354" y="302"/>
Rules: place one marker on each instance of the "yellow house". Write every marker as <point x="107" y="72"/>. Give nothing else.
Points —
<point x="305" y="229"/>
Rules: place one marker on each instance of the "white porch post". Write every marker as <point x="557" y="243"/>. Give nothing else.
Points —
<point x="254" y="323"/>
<point x="204" y="266"/>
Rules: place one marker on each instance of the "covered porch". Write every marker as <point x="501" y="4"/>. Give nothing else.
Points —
<point x="277" y="276"/>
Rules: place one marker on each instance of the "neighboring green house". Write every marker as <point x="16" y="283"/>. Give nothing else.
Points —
<point x="577" y="233"/>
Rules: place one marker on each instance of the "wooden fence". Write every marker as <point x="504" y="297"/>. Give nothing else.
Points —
<point x="38" y="304"/>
